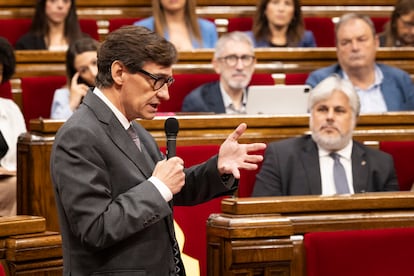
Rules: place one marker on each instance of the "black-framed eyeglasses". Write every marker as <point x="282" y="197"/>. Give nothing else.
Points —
<point x="158" y="81"/>
<point x="231" y="60"/>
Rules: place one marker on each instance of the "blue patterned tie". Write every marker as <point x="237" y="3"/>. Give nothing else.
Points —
<point x="341" y="183"/>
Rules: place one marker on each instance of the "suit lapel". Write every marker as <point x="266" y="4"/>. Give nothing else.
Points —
<point x="310" y="163"/>
<point x="117" y="133"/>
<point x="214" y="99"/>
<point x="360" y="173"/>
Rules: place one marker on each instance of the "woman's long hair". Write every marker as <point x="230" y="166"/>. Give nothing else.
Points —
<point x="295" y="31"/>
<point x="402" y="7"/>
<point x="40" y="26"/>
<point x="190" y="17"/>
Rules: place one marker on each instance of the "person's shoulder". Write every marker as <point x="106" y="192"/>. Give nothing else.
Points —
<point x="308" y="39"/>
<point x="377" y="154"/>
<point x="204" y="23"/>
<point x="61" y="92"/>
<point x="24" y="41"/>
<point x="289" y="144"/>
<point x="387" y="69"/>
<point x="325" y="71"/>
<point x="204" y="88"/>
<point x="146" y="22"/>
<point x="319" y="74"/>
<point x="30" y="41"/>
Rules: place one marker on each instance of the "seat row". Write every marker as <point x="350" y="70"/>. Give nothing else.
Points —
<point x="322" y="27"/>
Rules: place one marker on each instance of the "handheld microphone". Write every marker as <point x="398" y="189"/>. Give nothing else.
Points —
<point x="171" y="130"/>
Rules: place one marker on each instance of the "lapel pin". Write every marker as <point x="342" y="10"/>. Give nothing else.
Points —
<point x="363" y="163"/>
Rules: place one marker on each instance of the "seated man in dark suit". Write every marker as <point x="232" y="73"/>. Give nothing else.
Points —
<point x="305" y="165"/>
<point x="380" y="87"/>
<point x="234" y="60"/>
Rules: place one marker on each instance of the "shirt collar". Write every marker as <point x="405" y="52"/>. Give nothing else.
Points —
<point x="122" y="119"/>
<point x="379" y="76"/>
<point x="344" y="152"/>
<point x="227" y="100"/>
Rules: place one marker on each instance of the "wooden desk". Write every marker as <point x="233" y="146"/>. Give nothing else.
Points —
<point x="34" y="188"/>
<point x="27" y="249"/>
<point x="264" y="236"/>
<point x="269" y="60"/>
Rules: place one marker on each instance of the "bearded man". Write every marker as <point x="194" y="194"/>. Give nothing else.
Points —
<point x="309" y="165"/>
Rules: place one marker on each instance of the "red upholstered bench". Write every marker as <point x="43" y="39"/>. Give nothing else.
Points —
<point x="192" y="219"/>
<point x="14" y="28"/>
<point x="403" y="154"/>
<point x="116" y="23"/>
<point x="37" y="95"/>
<point x="6" y="90"/>
<point x="379" y="252"/>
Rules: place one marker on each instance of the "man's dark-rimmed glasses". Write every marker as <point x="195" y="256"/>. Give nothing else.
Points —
<point x="158" y="81"/>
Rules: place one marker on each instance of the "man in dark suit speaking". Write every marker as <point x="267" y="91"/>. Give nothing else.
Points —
<point x="328" y="161"/>
<point x="114" y="189"/>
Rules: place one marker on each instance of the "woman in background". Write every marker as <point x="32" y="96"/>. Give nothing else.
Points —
<point x="55" y="24"/>
<point x="399" y="31"/>
<point x="81" y="71"/>
<point x="12" y="124"/>
<point x="279" y="23"/>
<point x="177" y="22"/>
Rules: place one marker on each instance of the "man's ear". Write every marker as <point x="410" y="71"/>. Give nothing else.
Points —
<point x="216" y="65"/>
<point x="117" y="71"/>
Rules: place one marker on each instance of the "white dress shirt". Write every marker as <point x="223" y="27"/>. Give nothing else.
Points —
<point x="326" y="163"/>
<point x="12" y="124"/>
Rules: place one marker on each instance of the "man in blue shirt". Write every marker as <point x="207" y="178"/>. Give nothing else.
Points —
<point x="381" y="88"/>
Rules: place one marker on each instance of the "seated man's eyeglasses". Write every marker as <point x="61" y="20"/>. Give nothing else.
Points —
<point x="232" y="60"/>
<point x="158" y="81"/>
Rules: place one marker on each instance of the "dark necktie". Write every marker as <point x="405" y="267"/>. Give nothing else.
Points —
<point x="340" y="180"/>
<point x="3" y="146"/>
<point x="134" y="136"/>
<point x="179" y="265"/>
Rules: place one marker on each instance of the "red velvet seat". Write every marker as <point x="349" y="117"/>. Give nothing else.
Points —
<point x="37" y="95"/>
<point x="192" y="219"/>
<point x="296" y="78"/>
<point x="247" y="179"/>
<point x="6" y="90"/>
<point x="380" y="252"/>
<point x="90" y="27"/>
<point x="323" y="29"/>
<point x="185" y="83"/>
<point x="240" y="24"/>
<point x="2" y="271"/>
<point x="116" y="23"/>
<point x="14" y="28"/>
<point x="379" y="23"/>
<point x="403" y="154"/>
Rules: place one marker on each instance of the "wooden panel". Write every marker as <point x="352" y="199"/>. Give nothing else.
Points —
<point x="15" y="225"/>
<point x="306" y="204"/>
<point x="27" y="249"/>
<point x="37" y="246"/>
<point x="270" y="237"/>
<point x="35" y="192"/>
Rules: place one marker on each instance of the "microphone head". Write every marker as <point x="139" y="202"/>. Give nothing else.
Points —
<point x="171" y="126"/>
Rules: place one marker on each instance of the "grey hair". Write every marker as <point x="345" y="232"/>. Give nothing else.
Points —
<point x="333" y="83"/>
<point x="232" y="36"/>
<point x="351" y="16"/>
